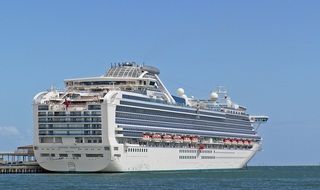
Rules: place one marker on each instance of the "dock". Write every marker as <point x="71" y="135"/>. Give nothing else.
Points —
<point x="21" y="169"/>
<point x="20" y="161"/>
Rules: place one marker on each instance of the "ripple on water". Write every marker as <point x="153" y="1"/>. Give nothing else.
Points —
<point x="265" y="178"/>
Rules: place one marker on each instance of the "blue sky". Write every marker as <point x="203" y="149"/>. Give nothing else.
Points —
<point x="265" y="52"/>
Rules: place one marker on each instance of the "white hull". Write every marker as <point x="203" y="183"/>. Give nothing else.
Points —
<point x="155" y="159"/>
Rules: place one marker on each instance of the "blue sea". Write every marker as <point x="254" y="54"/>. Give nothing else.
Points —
<point x="269" y="178"/>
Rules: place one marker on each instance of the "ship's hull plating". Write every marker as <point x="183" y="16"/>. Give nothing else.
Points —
<point x="151" y="159"/>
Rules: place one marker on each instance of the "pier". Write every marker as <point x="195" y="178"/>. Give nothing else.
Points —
<point x="20" y="161"/>
<point x="21" y="169"/>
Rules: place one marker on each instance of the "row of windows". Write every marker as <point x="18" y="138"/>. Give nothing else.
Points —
<point x="72" y="120"/>
<point x="232" y="119"/>
<point x="187" y="157"/>
<point x="180" y="126"/>
<point x="261" y="119"/>
<point x="132" y="134"/>
<point x="137" y="150"/>
<point x="206" y="151"/>
<point x="72" y="113"/>
<point x="90" y="107"/>
<point x="88" y="140"/>
<point x="183" y="121"/>
<point x="61" y="113"/>
<point x="42" y="113"/>
<point x="94" y="155"/>
<point x="165" y="107"/>
<point x="77" y="119"/>
<point x="52" y="155"/>
<point x="69" y="126"/>
<point x="187" y="151"/>
<point x="97" y="83"/>
<point x="168" y="108"/>
<point x="170" y="114"/>
<point x="195" y="151"/>
<point x="208" y="157"/>
<point x="43" y="107"/>
<point x="156" y="112"/>
<point x="236" y="112"/>
<point x="94" y="107"/>
<point x="71" y="133"/>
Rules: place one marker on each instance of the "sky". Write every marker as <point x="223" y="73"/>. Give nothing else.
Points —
<point x="266" y="53"/>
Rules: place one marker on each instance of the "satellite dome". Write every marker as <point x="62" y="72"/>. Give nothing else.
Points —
<point x="214" y="96"/>
<point x="180" y="92"/>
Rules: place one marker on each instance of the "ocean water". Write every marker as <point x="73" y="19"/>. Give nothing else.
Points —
<point x="269" y="178"/>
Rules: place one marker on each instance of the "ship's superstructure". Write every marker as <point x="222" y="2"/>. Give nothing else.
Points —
<point x="127" y="120"/>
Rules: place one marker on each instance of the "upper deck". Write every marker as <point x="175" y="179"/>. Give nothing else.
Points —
<point x="125" y="76"/>
<point x="140" y="79"/>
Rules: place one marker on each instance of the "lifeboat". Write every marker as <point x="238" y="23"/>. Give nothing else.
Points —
<point x="167" y="138"/>
<point x="177" y="139"/>
<point x="246" y="142"/>
<point x="194" y="140"/>
<point x="146" y="137"/>
<point x="240" y="142"/>
<point x="234" y="141"/>
<point x="156" y="138"/>
<point x="186" y="139"/>
<point x="227" y="141"/>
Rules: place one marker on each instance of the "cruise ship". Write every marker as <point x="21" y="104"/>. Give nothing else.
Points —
<point x="127" y="120"/>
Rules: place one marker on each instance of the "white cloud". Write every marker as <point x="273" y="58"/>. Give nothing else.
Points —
<point x="8" y="131"/>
